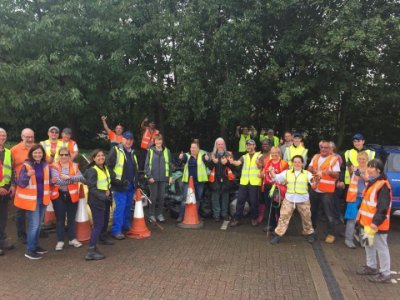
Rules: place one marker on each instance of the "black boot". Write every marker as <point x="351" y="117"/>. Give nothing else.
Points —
<point x="105" y="240"/>
<point x="94" y="254"/>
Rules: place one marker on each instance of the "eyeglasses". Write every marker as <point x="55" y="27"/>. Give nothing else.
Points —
<point x="62" y="154"/>
<point x="54" y="131"/>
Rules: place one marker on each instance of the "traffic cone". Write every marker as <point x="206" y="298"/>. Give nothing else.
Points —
<point x="191" y="218"/>
<point x="138" y="229"/>
<point x="82" y="225"/>
<point x="49" y="217"/>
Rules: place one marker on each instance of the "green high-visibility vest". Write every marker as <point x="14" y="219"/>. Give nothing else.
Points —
<point x="201" y="168"/>
<point x="103" y="178"/>
<point x="6" y="168"/>
<point x="250" y="172"/>
<point x="297" y="185"/>
<point x="166" y="158"/>
<point x="351" y="155"/>
<point x="120" y="161"/>
<point x="242" y="142"/>
<point x="292" y="151"/>
<point x="265" y="136"/>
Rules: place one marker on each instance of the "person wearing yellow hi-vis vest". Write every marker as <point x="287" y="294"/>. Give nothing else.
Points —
<point x="296" y="148"/>
<point x="270" y="137"/>
<point x="243" y="137"/>
<point x="98" y="180"/>
<point x="250" y="183"/>
<point x="157" y="169"/>
<point x="7" y="189"/>
<point x="195" y="165"/>
<point x="350" y="156"/>
<point x="123" y="166"/>
<point x="52" y="145"/>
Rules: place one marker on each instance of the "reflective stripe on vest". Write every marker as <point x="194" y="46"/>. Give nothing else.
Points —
<point x="166" y="159"/>
<point x="367" y="209"/>
<point x="103" y="178"/>
<point x="73" y="189"/>
<point x="47" y="147"/>
<point x="297" y="185"/>
<point x="70" y="145"/>
<point x="292" y="151"/>
<point x="242" y="142"/>
<point x="7" y="172"/>
<point x="26" y="198"/>
<point x="326" y="183"/>
<point x="201" y="168"/>
<point x="147" y="137"/>
<point x="352" y="191"/>
<point x="228" y="172"/>
<point x="250" y="171"/>
<point x="351" y="155"/>
<point x="120" y="161"/>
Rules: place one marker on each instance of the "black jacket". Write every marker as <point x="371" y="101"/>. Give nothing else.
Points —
<point x="221" y="178"/>
<point x="96" y="197"/>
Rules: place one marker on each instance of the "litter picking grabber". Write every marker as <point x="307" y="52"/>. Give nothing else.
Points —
<point x="155" y="223"/>
<point x="273" y="193"/>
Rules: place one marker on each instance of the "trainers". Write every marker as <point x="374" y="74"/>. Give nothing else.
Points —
<point x="105" y="240"/>
<point x="59" y="246"/>
<point x="227" y="218"/>
<point x="365" y="270"/>
<point x="254" y="222"/>
<point x="75" y="243"/>
<point x="118" y="236"/>
<point x="234" y="223"/>
<point x="310" y="238"/>
<point x="276" y="240"/>
<point x="40" y="250"/>
<point x="380" y="278"/>
<point x="7" y="245"/>
<point x="1" y="252"/>
<point x="33" y="255"/>
<point x="350" y="244"/>
<point x="179" y="220"/>
<point x="160" y="218"/>
<point x="330" y="239"/>
<point x="152" y="219"/>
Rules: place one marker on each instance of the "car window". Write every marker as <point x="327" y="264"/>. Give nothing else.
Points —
<point x="393" y="162"/>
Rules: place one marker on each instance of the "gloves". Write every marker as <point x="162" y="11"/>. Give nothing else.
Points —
<point x="368" y="236"/>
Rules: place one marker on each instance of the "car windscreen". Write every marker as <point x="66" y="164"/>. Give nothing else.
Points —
<point x="393" y="163"/>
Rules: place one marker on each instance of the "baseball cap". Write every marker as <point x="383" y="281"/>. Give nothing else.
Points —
<point x="251" y="142"/>
<point x="54" y="127"/>
<point x="358" y="136"/>
<point x="270" y="131"/>
<point x="67" y="131"/>
<point x="297" y="134"/>
<point x="128" y="135"/>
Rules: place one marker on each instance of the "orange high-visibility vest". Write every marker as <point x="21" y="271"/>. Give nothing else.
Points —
<point x="73" y="189"/>
<point x="70" y="145"/>
<point x="368" y="205"/>
<point x="147" y="137"/>
<point x="228" y="172"/>
<point x="326" y="183"/>
<point x="353" y="188"/>
<point x="26" y="198"/>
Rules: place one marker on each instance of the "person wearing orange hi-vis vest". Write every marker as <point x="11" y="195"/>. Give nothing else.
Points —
<point x="374" y="217"/>
<point x="148" y="137"/>
<point x="52" y="145"/>
<point x="325" y="167"/>
<point x="65" y="196"/>
<point x="115" y="137"/>
<point x="33" y="195"/>
<point x="354" y="196"/>
<point x="220" y="178"/>
<point x="250" y="183"/>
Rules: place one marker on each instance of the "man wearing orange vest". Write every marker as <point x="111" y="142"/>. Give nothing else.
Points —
<point x="67" y="142"/>
<point x="374" y="216"/>
<point x="115" y="137"/>
<point x="325" y="167"/>
<point x="149" y="133"/>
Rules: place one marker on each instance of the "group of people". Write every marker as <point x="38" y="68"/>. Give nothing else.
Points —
<point x="275" y="182"/>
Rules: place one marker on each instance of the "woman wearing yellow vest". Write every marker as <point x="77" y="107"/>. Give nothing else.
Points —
<point x="157" y="169"/>
<point x="65" y="196"/>
<point x="354" y="197"/>
<point x="98" y="181"/>
<point x="374" y="216"/>
<point x="195" y="165"/>
<point x="296" y="197"/>
<point x="33" y="195"/>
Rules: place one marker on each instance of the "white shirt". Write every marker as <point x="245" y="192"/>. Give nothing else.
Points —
<point x="321" y="160"/>
<point x="294" y="198"/>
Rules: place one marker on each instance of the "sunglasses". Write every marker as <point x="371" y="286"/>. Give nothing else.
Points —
<point x="62" y="154"/>
<point x="54" y="131"/>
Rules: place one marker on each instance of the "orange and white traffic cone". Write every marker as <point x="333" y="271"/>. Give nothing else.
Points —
<point x="82" y="224"/>
<point x="138" y="229"/>
<point x="49" y="217"/>
<point x="191" y="218"/>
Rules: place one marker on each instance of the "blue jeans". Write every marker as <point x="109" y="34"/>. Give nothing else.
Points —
<point x="198" y="191"/>
<point x="122" y="212"/>
<point x="35" y="219"/>
<point x="64" y="208"/>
